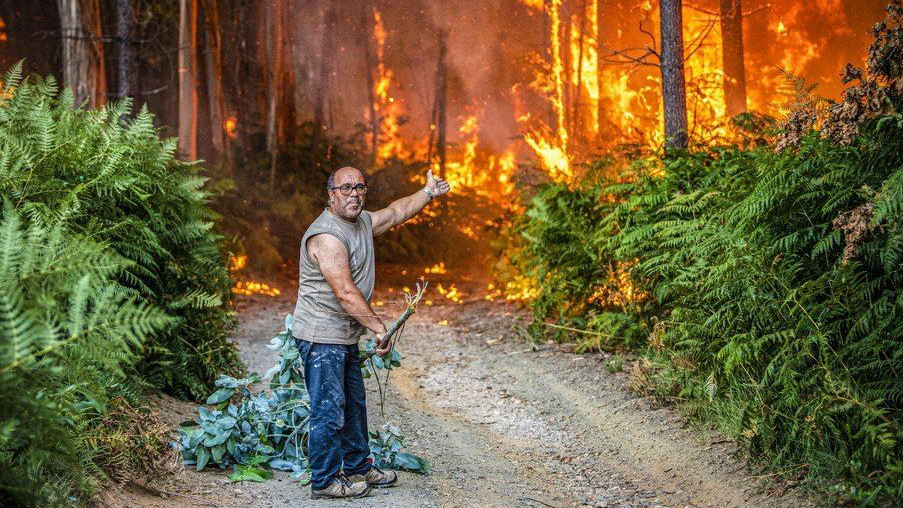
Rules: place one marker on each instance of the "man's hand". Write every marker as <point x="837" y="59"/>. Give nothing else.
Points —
<point x="383" y="345"/>
<point x="437" y="186"/>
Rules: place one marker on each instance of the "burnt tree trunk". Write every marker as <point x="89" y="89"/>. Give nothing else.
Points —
<point x="126" y="66"/>
<point x="732" y="57"/>
<point x="188" y="94"/>
<point x="600" y="62"/>
<point x="83" y="52"/>
<point x="441" y="113"/>
<point x="578" y="85"/>
<point x="567" y="64"/>
<point x="674" y="95"/>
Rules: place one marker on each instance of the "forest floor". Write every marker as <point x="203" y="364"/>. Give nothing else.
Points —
<point x="503" y="424"/>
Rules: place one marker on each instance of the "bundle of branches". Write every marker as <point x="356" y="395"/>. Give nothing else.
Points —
<point x="270" y="428"/>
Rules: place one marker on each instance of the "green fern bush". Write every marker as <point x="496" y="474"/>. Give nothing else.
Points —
<point x="122" y="185"/>
<point x="69" y="334"/>
<point x="759" y="315"/>
<point x="111" y="281"/>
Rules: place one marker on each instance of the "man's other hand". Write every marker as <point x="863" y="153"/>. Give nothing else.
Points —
<point x="383" y="345"/>
<point x="437" y="186"/>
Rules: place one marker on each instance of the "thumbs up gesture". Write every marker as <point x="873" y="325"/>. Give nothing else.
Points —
<point x="436" y="186"/>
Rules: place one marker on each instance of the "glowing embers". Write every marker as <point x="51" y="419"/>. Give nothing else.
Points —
<point x="519" y="289"/>
<point x="248" y="287"/>
<point x="438" y="268"/>
<point x="251" y="287"/>
<point x="619" y="289"/>
<point x="450" y="293"/>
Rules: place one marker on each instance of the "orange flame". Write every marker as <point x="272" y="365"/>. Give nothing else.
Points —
<point x="230" y="126"/>
<point x="549" y="144"/>
<point x="386" y="107"/>
<point x="249" y="287"/>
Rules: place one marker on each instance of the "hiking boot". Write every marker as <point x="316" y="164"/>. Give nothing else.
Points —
<point x="376" y="478"/>
<point x="342" y="488"/>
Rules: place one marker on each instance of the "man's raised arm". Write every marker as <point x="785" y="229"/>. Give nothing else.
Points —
<point x="403" y="209"/>
<point x="332" y="256"/>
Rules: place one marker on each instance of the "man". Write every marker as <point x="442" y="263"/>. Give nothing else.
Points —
<point x="332" y="312"/>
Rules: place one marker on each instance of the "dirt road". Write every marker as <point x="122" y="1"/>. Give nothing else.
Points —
<point x="502" y="426"/>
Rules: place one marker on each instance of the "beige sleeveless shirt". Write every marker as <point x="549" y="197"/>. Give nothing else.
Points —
<point x="318" y="316"/>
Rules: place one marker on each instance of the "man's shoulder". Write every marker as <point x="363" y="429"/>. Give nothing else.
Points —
<point x="367" y="217"/>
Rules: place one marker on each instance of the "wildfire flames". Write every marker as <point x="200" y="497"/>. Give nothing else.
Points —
<point x="385" y="107"/>
<point x="592" y="82"/>
<point x="584" y="80"/>
<point x="248" y="287"/>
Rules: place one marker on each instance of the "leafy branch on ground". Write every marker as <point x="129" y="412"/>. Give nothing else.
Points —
<point x="268" y="429"/>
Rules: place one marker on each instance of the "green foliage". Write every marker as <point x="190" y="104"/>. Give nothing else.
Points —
<point x="70" y="332"/>
<point x="271" y="427"/>
<point x="773" y="293"/>
<point x="119" y="183"/>
<point x="767" y="286"/>
<point x="111" y="281"/>
<point x="614" y="364"/>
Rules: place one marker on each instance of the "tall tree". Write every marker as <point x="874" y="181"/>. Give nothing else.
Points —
<point x="578" y="85"/>
<point x="674" y="94"/>
<point x="83" y="53"/>
<point x="126" y="68"/>
<point x="326" y="60"/>
<point x="441" y="98"/>
<point x="732" y="56"/>
<point x="274" y="51"/>
<point x="600" y="65"/>
<point x="371" y="67"/>
<point x="188" y="77"/>
<point x="213" y="64"/>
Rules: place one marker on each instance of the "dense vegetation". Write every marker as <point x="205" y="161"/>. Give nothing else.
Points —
<point x="762" y="283"/>
<point x="111" y="281"/>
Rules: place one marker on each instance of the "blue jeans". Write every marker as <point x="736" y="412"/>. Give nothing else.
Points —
<point x="338" y="412"/>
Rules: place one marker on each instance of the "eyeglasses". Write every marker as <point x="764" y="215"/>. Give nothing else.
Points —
<point x="345" y="189"/>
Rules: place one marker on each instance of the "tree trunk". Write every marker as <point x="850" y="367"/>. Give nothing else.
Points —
<point x="674" y="94"/>
<point x="600" y="62"/>
<point x="188" y="97"/>
<point x="373" y="126"/>
<point x="274" y="83"/>
<point x="83" y="59"/>
<point x="126" y="68"/>
<point x="578" y="85"/>
<point x="567" y="65"/>
<point x="732" y="57"/>
<point x="326" y="57"/>
<point x="214" y="68"/>
<point x="441" y="113"/>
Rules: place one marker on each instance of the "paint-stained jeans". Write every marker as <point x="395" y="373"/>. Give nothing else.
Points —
<point x="338" y="411"/>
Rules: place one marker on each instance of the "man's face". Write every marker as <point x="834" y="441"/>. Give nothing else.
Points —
<point x="347" y="207"/>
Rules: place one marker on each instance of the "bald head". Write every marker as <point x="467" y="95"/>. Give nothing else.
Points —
<point x="331" y="181"/>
